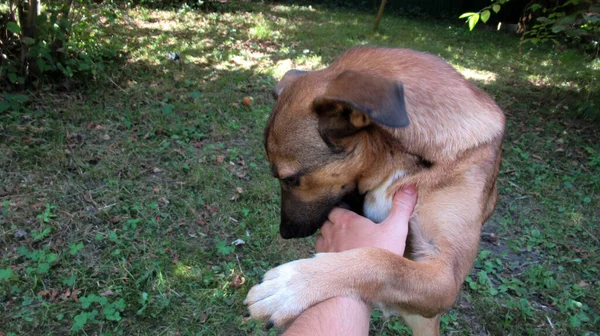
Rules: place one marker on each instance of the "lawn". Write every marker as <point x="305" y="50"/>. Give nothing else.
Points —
<point x="144" y="205"/>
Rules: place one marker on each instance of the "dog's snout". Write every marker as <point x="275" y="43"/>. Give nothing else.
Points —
<point x="302" y="219"/>
<point x="289" y="229"/>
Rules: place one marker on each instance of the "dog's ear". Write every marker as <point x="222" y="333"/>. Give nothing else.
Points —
<point x="287" y="79"/>
<point x="354" y="100"/>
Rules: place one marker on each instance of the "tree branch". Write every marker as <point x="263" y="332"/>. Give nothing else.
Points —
<point x="379" y="15"/>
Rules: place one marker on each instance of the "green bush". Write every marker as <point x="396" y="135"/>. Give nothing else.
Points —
<point x="62" y="44"/>
<point x="564" y="23"/>
<point x="573" y="22"/>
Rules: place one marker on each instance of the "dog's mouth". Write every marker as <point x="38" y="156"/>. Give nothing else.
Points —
<point x="310" y="218"/>
<point x="354" y="202"/>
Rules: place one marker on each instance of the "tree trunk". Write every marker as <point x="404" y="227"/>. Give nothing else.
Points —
<point x="379" y="15"/>
<point x="22" y="22"/>
<point x="29" y="25"/>
<point x="28" y="13"/>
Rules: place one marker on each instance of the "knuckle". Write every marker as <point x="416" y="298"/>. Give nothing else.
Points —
<point x="326" y="228"/>
<point x="336" y="214"/>
<point x="348" y="217"/>
<point x="403" y="204"/>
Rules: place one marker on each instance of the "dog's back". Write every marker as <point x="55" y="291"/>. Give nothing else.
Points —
<point x="448" y="114"/>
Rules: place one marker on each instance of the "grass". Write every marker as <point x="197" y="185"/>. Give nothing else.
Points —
<point x="119" y="205"/>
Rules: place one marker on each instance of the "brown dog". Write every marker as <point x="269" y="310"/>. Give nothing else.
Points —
<point x="342" y="134"/>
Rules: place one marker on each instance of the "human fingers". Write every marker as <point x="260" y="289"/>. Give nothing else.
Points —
<point x="342" y="216"/>
<point x="320" y="243"/>
<point x="403" y="205"/>
<point x="326" y="229"/>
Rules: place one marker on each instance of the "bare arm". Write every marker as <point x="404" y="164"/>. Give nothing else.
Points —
<point x="340" y="316"/>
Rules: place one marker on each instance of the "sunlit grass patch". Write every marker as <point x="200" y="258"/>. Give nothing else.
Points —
<point x="262" y="30"/>
<point x="292" y="9"/>
<point x="486" y="77"/>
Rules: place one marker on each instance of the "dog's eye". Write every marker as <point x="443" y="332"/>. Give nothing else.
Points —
<point x="291" y="181"/>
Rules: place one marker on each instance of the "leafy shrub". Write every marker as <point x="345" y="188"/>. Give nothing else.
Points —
<point x="60" y="45"/>
<point x="562" y="22"/>
<point x="575" y="22"/>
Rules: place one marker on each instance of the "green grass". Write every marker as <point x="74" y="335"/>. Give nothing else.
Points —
<point x="119" y="205"/>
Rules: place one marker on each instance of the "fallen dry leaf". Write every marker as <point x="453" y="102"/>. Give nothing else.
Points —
<point x="114" y="219"/>
<point x="38" y="205"/>
<point x="247" y="101"/>
<point x="238" y="281"/>
<point x="211" y="209"/>
<point x="74" y="295"/>
<point x="49" y="294"/>
<point x="220" y="158"/>
<point x="107" y="293"/>
<point x="65" y="296"/>
<point x="95" y="126"/>
<point x="74" y="140"/>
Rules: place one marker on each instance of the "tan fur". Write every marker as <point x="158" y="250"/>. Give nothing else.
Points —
<point x="454" y="125"/>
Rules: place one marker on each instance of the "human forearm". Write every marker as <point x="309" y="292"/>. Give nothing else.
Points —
<point x="333" y="317"/>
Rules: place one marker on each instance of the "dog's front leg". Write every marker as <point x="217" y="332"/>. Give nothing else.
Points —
<point x="370" y="274"/>
<point x="423" y="326"/>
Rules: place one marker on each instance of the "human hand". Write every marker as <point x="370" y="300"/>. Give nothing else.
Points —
<point x="345" y="230"/>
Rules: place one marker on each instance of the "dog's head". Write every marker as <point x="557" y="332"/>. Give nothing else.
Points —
<point x="319" y="141"/>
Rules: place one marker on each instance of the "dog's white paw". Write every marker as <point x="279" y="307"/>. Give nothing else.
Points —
<point x="286" y="291"/>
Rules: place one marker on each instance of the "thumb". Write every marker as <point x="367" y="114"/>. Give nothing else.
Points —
<point x="403" y="205"/>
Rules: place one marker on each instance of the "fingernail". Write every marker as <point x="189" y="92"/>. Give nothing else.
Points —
<point x="411" y="190"/>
